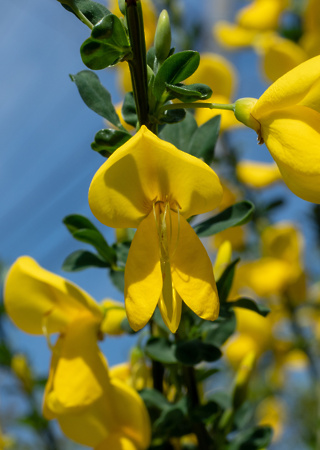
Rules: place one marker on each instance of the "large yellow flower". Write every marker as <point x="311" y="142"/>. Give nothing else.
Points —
<point x="150" y="185"/>
<point x="287" y="119"/>
<point x="90" y="406"/>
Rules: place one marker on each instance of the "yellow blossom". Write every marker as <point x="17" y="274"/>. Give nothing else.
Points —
<point x="89" y="406"/>
<point x="21" y="368"/>
<point x="257" y="175"/>
<point x="271" y="411"/>
<point x="150" y="185"/>
<point x="286" y="118"/>
<point x="261" y="14"/>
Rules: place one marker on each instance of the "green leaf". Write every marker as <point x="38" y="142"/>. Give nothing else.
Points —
<point x="247" y="303"/>
<point x="107" y="45"/>
<point x="95" y="238"/>
<point x="84" y="231"/>
<point x="176" y="68"/>
<point x="117" y="278"/>
<point x="106" y="141"/>
<point x="204" y="140"/>
<point x="162" y="350"/>
<point x="217" y="332"/>
<point x="203" y="413"/>
<point x="237" y="214"/>
<point x="189" y="92"/>
<point x="5" y="355"/>
<point x="96" y="96"/>
<point x="173" y="420"/>
<point x="224" y="283"/>
<point x="129" y="111"/>
<point x="203" y="374"/>
<point x="179" y="134"/>
<point x="194" y="351"/>
<point x="82" y="259"/>
<point x="173" y="116"/>
<point x="153" y="399"/>
<point x="93" y="11"/>
<point x="254" y="439"/>
<point x="76" y="222"/>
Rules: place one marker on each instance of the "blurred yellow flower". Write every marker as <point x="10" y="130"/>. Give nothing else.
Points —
<point x="261" y="14"/>
<point x="271" y="411"/>
<point x="219" y="74"/>
<point x="223" y="258"/>
<point x="114" y="314"/>
<point x="257" y="175"/>
<point x="89" y="406"/>
<point x="21" y="368"/>
<point x="286" y="118"/>
<point x="150" y="185"/>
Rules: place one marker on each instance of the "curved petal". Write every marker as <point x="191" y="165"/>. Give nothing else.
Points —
<point x="145" y="169"/>
<point x="231" y="35"/>
<point x="116" y="442"/>
<point x="299" y="86"/>
<point x="33" y="294"/>
<point x="192" y="272"/>
<point x="143" y="277"/>
<point x="292" y="136"/>
<point x="91" y="425"/>
<point x="261" y="14"/>
<point x="170" y="309"/>
<point x="131" y="414"/>
<point x="257" y="175"/>
<point x="79" y="374"/>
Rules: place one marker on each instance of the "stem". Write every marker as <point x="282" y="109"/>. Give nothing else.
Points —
<point x="228" y="106"/>
<point x="157" y="368"/>
<point x="200" y="431"/>
<point x="138" y="63"/>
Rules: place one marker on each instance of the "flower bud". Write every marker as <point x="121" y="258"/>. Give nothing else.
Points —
<point x="242" y="379"/>
<point x="162" y="38"/>
<point x="242" y="111"/>
<point x="114" y="315"/>
<point x="20" y="367"/>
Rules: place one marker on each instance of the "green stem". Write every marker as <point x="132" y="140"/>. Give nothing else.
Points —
<point x="138" y="63"/>
<point x="195" y="105"/>
<point x="199" y="429"/>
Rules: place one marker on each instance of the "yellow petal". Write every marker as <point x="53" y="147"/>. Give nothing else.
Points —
<point x="79" y="373"/>
<point x="284" y="241"/>
<point x="279" y="56"/>
<point x="192" y="273"/>
<point x="171" y="310"/>
<point x="223" y="258"/>
<point x="132" y="416"/>
<point x="292" y="136"/>
<point x="91" y="425"/>
<point x="231" y="35"/>
<point x="145" y="169"/>
<point x="34" y="296"/>
<point x="143" y="277"/>
<point x="114" y="315"/>
<point x="257" y="175"/>
<point x="116" y="442"/>
<point x="261" y="14"/>
<point x="264" y="277"/>
<point x="299" y="86"/>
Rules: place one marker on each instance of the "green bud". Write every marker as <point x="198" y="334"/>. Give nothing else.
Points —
<point x="242" y="111"/>
<point x="162" y="38"/>
<point x="122" y="6"/>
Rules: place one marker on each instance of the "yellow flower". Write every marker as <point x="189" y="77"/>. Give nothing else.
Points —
<point x="271" y="411"/>
<point x="286" y="118"/>
<point x="22" y="370"/>
<point x="257" y="175"/>
<point x="232" y="35"/>
<point x="89" y="406"/>
<point x="261" y="14"/>
<point x="219" y="74"/>
<point x="150" y="185"/>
